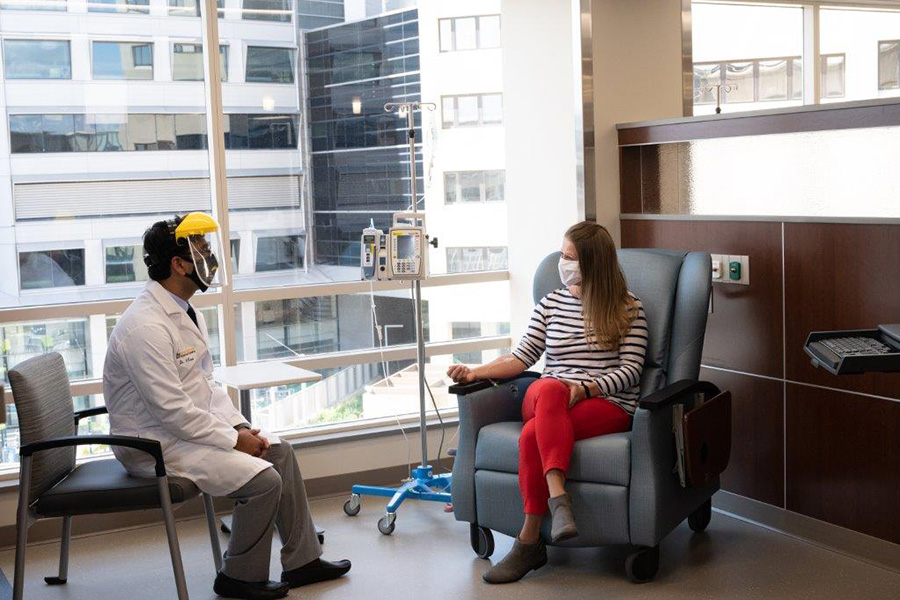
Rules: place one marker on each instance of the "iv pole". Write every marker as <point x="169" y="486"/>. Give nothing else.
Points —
<point x="423" y="482"/>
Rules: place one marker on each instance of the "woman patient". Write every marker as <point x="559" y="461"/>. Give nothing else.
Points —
<point x="594" y="335"/>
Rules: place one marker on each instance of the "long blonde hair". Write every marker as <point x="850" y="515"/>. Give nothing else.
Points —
<point x="607" y="306"/>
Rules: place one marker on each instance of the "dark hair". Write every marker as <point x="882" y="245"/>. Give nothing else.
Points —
<point x="160" y="248"/>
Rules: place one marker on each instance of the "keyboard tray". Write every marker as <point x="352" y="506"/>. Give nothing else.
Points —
<point x="849" y="365"/>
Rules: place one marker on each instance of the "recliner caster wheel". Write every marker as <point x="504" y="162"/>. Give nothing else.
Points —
<point x="352" y="505"/>
<point x="482" y="540"/>
<point x="699" y="519"/>
<point x="641" y="566"/>
<point x="386" y="523"/>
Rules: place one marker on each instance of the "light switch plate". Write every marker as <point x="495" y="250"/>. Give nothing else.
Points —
<point x="745" y="269"/>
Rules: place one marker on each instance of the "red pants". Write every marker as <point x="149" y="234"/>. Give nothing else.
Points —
<point x="550" y="431"/>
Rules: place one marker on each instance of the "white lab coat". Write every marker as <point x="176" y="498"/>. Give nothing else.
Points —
<point x="158" y="384"/>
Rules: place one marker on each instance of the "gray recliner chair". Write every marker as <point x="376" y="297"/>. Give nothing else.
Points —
<point x="622" y="485"/>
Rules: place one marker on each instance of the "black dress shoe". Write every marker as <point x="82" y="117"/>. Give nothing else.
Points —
<point x="314" y="572"/>
<point x="227" y="587"/>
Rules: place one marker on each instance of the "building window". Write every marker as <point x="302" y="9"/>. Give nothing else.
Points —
<point x="469" y="33"/>
<point x="279" y="253"/>
<point x="37" y="59"/>
<point x="270" y="65"/>
<point x="465" y="260"/>
<point x="119" y="6"/>
<point x="146" y="131"/>
<point x="267" y="10"/>
<point x="889" y="65"/>
<point x="832" y="75"/>
<point x="473" y="186"/>
<point x="33" y="5"/>
<point x="187" y="62"/>
<point x="123" y="60"/>
<point x="759" y="80"/>
<point x="51" y="268"/>
<point x="191" y="8"/>
<point x="472" y="110"/>
<point x="125" y="264"/>
<point x="312" y="14"/>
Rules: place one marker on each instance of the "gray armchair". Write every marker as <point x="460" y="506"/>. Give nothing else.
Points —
<point x="622" y="485"/>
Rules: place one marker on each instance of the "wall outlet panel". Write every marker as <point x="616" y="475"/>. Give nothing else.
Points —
<point x="722" y="275"/>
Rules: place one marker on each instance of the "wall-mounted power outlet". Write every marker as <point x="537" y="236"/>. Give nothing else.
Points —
<point x="730" y="268"/>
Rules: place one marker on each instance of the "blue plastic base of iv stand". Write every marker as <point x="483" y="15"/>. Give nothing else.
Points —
<point x="425" y="485"/>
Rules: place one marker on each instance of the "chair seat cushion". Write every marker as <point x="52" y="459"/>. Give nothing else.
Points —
<point x="602" y="459"/>
<point x="102" y="486"/>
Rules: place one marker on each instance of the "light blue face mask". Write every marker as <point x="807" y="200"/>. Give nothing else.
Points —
<point x="569" y="273"/>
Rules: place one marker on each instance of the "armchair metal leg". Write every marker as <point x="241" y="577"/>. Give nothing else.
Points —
<point x="213" y="530"/>
<point x="165" y="502"/>
<point x="22" y="527"/>
<point x="63" y="554"/>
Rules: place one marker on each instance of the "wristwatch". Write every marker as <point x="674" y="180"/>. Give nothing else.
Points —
<point x="587" y="392"/>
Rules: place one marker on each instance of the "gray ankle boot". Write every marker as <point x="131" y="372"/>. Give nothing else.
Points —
<point x="563" y="527"/>
<point x="520" y="560"/>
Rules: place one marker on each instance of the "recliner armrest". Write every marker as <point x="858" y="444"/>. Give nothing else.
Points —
<point x="461" y="389"/>
<point x="678" y="392"/>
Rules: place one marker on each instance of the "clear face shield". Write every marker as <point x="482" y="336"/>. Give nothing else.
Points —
<point x="204" y="252"/>
<point x="199" y="235"/>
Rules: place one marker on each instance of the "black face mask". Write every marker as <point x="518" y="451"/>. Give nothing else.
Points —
<point x="214" y="266"/>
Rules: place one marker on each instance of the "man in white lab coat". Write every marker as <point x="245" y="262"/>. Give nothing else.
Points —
<point x="157" y="381"/>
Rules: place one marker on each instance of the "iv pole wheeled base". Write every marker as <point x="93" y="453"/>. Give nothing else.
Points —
<point x="424" y="485"/>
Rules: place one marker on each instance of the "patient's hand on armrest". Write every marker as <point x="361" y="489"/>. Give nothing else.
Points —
<point x="461" y="374"/>
<point x="502" y="367"/>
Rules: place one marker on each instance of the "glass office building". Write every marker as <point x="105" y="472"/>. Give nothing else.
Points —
<point x="359" y="152"/>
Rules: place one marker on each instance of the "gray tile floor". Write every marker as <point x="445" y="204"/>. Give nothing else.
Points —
<point x="428" y="556"/>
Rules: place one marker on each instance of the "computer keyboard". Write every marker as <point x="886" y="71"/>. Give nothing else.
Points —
<point x="855" y="346"/>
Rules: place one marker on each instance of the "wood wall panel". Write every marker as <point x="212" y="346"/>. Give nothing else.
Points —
<point x="843" y="459"/>
<point x="756" y="468"/>
<point x="630" y="180"/>
<point x="744" y="332"/>
<point x="840" y="276"/>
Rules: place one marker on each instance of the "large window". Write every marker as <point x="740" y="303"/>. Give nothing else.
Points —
<point x="472" y="110"/>
<point x="470" y="33"/>
<point x="36" y="59"/>
<point x="187" y="62"/>
<point x="134" y="91"/>
<point x="856" y="54"/>
<point x="270" y="65"/>
<point x="748" y="70"/>
<point x="473" y="186"/>
<point x="123" y="60"/>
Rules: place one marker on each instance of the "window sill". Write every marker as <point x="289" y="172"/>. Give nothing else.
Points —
<point x="311" y="437"/>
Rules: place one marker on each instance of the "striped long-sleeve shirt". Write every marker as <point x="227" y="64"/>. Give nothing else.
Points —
<point x="557" y="328"/>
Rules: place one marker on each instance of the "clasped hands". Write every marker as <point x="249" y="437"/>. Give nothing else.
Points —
<point x="250" y="442"/>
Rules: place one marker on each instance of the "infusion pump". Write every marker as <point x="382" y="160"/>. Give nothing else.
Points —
<point x="400" y="254"/>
